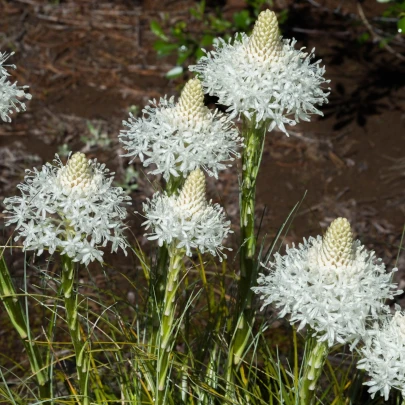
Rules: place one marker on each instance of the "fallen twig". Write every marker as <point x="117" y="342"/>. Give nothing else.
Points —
<point x="375" y="36"/>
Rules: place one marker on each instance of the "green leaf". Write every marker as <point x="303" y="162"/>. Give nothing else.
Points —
<point x="158" y="30"/>
<point x="198" y="12"/>
<point x="282" y="16"/>
<point x="164" y="48"/>
<point x="384" y="42"/>
<point x="183" y="55"/>
<point x="363" y="38"/>
<point x="219" y="25"/>
<point x="207" y="40"/>
<point x="199" y="54"/>
<point x="242" y="20"/>
<point x="401" y="26"/>
<point x="179" y="28"/>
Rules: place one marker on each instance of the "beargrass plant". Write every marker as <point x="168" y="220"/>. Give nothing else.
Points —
<point x="180" y="337"/>
<point x="268" y="83"/>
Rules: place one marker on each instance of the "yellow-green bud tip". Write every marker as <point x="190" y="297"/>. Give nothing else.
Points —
<point x="191" y="101"/>
<point x="77" y="174"/>
<point x="192" y="196"/>
<point x="337" y="244"/>
<point x="264" y="43"/>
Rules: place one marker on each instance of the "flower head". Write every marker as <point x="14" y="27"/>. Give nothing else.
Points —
<point x="71" y="208"/>
<point x="384" y="356"/>
<point x="264" y="77"/>
<point x="331" y="283"/>
<point x="188" y="221"/>
<point x="10" y="93"/>
<point x="178" y="138"/>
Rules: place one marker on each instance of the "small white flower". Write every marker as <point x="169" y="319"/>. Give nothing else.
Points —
<point x="71" y="208"/>
<point x="263" y="77"/>
<point x="178" y="138"/>
<point x="331" y="283"/>
<point x="384" y="356"/>
<point x="187" y="220"/>
<point x="10" y="93"/>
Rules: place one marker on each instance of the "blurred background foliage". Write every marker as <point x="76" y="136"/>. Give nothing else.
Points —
<point x="205" y="23"/>
<point x="186" y="38"/>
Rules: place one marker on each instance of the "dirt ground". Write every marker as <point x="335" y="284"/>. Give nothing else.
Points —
<point x="90" y="61"/>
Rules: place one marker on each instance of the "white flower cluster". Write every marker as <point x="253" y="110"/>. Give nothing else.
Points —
<point x="72" y="209"/>
<point x="187" y="220"/>
<point x="264" y="77"/>
<point x="178" y="138"/>
<point x="10" y="92"/>
<point x="384" y="356"/>
<point x="331" y="283"/>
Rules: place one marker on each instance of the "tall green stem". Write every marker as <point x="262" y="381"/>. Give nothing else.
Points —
<point x="251" y="159"/>
<point x="157" y="291"/>
<point x="71" y="307"/>
<point x="18" y="318"/>
<point x="167" y="328"/>
<point x="312" y="372"/>
<point x="159" y="279"/>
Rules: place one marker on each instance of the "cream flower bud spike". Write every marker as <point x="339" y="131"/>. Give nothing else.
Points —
<point x="190" y="106"/>
<point x="337" y="244"/>
<point x="192" y="198"/>
<point x="264" y="43"/>
<point x="77" y="175"/>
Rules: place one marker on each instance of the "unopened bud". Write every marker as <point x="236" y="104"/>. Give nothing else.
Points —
<point x="191" y="102"/>
<point x="192" y="198"/>
<point x="337" y="244"/>
<point x="264" y="43"/>
<point x="77" y="174"/>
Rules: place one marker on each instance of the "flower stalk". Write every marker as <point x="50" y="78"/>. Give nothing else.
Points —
<point x="167" y="328"/>
<point x="254" y="135"/>
<point x="157" y="289"/>
<point x="158" y="282"/>
<point x="312" y="372"/>
<point x="72" y="317"/>
<point x="182" y="222"/>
